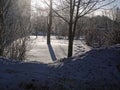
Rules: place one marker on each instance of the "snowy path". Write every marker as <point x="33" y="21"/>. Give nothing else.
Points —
<point x="39" y="51"/>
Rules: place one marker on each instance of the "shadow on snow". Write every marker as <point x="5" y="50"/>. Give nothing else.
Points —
<point x="52" y="52"/>
<point x="95" y="69"/>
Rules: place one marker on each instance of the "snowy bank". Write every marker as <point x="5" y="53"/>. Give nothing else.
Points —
<point x="96" y="69"/>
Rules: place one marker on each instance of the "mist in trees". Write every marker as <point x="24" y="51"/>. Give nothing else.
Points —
<point x="15" y="28"/>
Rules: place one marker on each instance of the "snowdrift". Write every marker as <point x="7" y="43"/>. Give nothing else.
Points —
<point x="96" y="69"/>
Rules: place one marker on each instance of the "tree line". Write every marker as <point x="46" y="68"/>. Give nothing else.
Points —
<point x="68" y="18"/>
<point x="71" y="12"/>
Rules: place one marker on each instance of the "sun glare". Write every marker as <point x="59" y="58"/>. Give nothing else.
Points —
<point x="38" y="3"/>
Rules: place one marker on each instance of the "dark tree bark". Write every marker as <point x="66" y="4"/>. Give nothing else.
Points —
<point x="72" y="26"/>
<point x="70" y="37"/>
<point x="49" y="24"/>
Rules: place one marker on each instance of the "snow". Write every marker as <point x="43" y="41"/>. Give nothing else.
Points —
<point x="39" y="51"/>
<point x="95" y="69"/>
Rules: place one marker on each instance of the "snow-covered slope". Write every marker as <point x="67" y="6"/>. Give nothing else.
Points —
<point x="98" y="69"/>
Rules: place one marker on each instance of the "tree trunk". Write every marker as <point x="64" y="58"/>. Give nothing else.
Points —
<point x="72" y="29"/>
<point x="48" y="34"/>
<point x="70" y="46"/>
<point x="49" y="24"/>
<point x="70" y="36"/>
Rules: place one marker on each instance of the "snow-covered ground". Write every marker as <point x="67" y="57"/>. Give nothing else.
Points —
<point x="39" y="51"/>
<point x="98" y="69"/>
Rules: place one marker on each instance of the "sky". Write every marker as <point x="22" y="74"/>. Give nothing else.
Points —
<point x="118" y="3"/>
<point x="98" y="12"/>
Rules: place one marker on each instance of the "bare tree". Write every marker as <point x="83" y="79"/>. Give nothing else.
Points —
<point x="77" y="9"/>
<point x="1" y="27"/>
<point x="4" y="5"/>
<point x="114" y="37"/>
